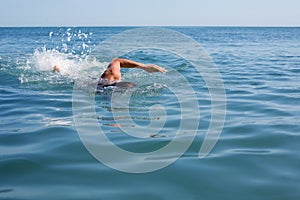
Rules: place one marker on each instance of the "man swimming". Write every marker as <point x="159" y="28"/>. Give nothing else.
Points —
<point x="112" y="75"/>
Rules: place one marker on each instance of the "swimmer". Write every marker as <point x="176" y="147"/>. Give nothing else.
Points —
<point x="112" y="75"/>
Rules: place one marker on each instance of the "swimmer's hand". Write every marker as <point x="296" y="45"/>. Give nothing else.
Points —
<point x="56" y="68"/>
<point x="152" y="68"/>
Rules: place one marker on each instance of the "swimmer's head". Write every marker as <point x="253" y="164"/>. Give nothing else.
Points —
<point x="56" y="68"/>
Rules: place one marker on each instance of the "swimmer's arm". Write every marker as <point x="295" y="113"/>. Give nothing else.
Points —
<point x="152" y="68"/>
<point x="124" y="63"/>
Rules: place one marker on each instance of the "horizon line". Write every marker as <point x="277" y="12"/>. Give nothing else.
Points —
<point x="95" y="26"/>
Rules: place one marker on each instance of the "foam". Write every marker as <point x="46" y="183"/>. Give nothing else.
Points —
<point x="71" y="66"/>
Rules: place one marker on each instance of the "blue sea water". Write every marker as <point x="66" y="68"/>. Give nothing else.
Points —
<point x="42" y="155"/>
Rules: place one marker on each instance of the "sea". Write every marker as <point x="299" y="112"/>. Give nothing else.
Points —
<point x="63" y="137"/>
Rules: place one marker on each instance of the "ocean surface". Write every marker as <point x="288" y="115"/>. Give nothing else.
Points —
<point x="42" y="153"/>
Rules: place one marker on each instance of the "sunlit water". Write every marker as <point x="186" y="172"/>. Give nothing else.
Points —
<point x="256" y="157"/>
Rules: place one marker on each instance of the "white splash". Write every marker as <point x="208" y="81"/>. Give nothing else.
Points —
<point x="45" y="60"/>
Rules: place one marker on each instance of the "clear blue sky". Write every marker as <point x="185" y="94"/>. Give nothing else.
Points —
<point x="149" y="12"/>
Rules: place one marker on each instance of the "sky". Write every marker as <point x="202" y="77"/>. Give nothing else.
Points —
<point x="149" y="13"/>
